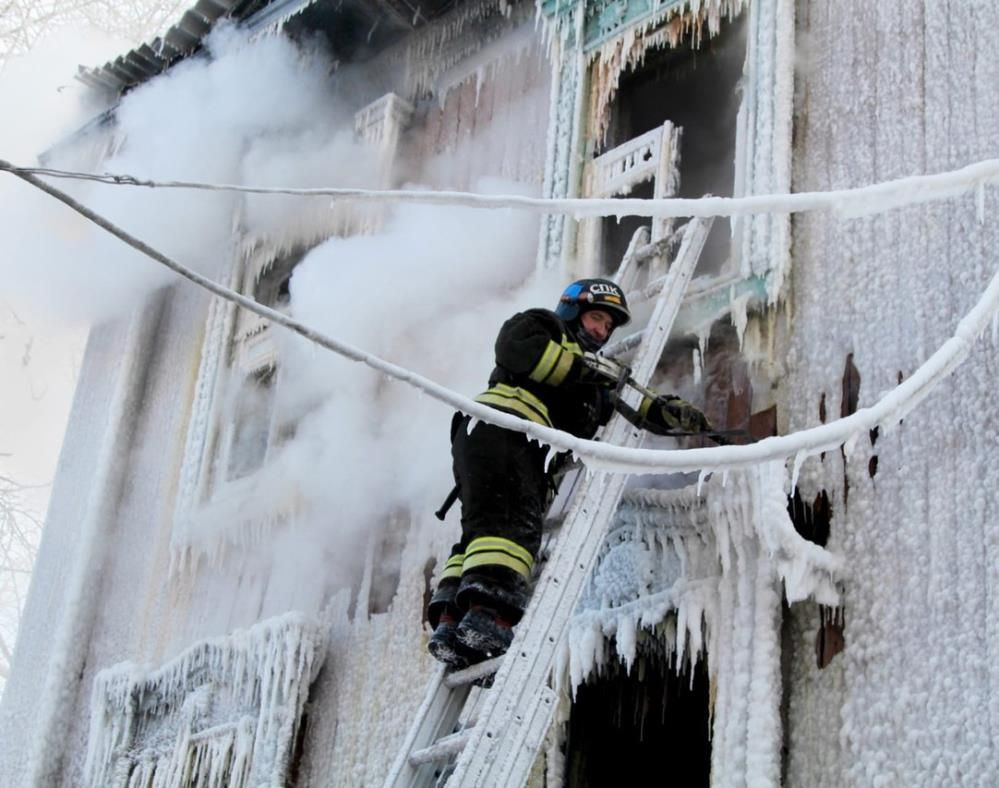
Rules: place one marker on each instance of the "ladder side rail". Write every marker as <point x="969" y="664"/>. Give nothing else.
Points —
<point x="627" y="271"/>
<point x="438" y="713"/>
<point x="670" y="299"/>
<point x="525" y="672"/>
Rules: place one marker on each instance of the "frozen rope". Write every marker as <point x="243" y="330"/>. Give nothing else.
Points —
<point x="600" y="456"/>
<point x="862" y="200"/>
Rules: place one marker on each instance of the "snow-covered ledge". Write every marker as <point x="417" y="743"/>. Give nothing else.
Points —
<point x="705" y="567"/>
<point x="226" y="711"/>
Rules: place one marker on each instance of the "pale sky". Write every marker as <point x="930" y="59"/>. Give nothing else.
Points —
<point x="39" y="352"/>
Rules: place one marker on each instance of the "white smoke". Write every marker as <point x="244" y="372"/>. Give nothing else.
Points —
<point x="39" y="353"/>
<point x="245" y="112"/>
<point x="429" y="294"/>
<point x="429" y="291"/>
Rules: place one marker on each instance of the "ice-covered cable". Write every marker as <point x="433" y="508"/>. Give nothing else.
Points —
<point x="874" y="198"/>
<point x="885" y="412"/>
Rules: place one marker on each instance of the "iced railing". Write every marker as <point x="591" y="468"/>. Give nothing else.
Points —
<point x="619" y="170"/>
<point x="380" y="122"/>
<point x="225" y="712"/>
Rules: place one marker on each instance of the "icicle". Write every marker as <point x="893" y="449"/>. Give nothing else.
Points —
<point x="799" y="459"/>
<point x="851" y="444"/>
<point x="697" y="365"/>
<point x="480" y="78"/>
<point x="701" y="476"/>
<point x="627" y="639"/>
<point x="472" y="422"/>
<point x="740" y="316"/>
<point x="682" y="627"/>
<point x="980" y="201"/>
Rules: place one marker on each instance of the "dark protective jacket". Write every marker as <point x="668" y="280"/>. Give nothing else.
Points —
<point x="540" y="376"/>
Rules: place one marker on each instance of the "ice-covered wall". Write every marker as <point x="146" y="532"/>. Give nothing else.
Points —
<point x="887" y="90"/>
<point x="61" y="615"/>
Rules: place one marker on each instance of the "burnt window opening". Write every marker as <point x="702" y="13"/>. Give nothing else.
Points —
<point x="624" y="727"/>
<point x="811" y="520"/>
<point x="697" y="89"/>
<point x="830" y="640"/>
<point x="616" y="234"/>
<point x="273" y="286"/>
<point x="731" y="401"/>
<point x="387" y="563"/>
<point x="851" y="388"/>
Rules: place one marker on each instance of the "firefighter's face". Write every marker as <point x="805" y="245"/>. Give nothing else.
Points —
<point x="597" y="323"/>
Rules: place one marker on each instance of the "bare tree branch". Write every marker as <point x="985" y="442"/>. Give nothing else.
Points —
<point x="20" y="531"/>
<point x="23" y="22"/>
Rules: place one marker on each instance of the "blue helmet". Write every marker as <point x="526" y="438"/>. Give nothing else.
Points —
<point x="586" y="294"/>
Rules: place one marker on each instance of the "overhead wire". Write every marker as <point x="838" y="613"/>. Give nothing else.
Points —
<point x="884" y="413"/>
<point x="856" y="201"/>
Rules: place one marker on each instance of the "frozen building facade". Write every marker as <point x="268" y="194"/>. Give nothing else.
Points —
<point x="232" y="578"/>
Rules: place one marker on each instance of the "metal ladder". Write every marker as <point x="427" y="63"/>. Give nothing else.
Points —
<point x="502" y="736"/>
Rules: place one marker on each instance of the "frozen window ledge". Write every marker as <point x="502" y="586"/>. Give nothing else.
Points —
<point x="225" y="712"/>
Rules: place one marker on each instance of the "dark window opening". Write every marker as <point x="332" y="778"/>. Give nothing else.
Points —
<point x="624" y="728"/>
<point x="616" y="233"/>
<point x="697" y="90"/>
<point x="273" y="287"/>
<point x="811" y="520"/>
<point x="729" y="393"/>
<point x="252" y="423"/>
<point x="851" y="388"/>
<point x="387" y="566"/>
<point x="830" y="640"/>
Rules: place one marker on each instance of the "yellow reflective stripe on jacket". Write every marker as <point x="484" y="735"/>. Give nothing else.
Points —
<point x="518" y="400"/>
<point x="453" y="566"/>
<point x="643" y="409"/>
<point x="497" y="551"/>
<point x="555" y="362"/>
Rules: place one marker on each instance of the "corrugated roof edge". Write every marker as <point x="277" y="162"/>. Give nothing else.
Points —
<point x="181" y="40"/>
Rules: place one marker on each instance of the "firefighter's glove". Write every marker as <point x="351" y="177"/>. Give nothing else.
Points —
<point x="672" y="414"/>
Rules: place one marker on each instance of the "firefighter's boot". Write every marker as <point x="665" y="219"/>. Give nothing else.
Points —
<point x="485" y="631"/>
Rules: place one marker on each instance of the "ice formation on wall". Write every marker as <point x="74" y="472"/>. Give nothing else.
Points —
<point x="664" y="28"/>
<point x="434" y="49"/>
<point x="671" y="551"/>
<point x="376" y="673"/>
<point x="226" y="712"/>
<point x="701" y="567"/>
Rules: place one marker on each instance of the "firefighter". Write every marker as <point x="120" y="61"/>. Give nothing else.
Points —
<point x="501" y="476"/>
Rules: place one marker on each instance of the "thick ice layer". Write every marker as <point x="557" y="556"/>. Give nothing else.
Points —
<point x="701" y="571"/>
<point x="226" y="712"/>
<point x="668" y="552"/>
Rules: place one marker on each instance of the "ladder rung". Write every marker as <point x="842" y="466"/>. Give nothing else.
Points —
<point x="467" y="675"/>
<point x="443" y="748"/>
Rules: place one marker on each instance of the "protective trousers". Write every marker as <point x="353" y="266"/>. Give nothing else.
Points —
<point x="503" y="490"/>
